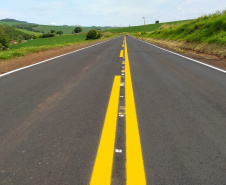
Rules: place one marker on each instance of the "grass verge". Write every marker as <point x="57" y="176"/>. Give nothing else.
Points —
<point x="206" y="34"/>
<point x="23" y="49"/>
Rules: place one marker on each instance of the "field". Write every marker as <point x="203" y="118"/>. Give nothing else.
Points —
<point x="29" y="32"/>
<point x="148" y="27"/>
<point x="50" y="41"/>
<point x="65" y="29"/>
<point x="36" y="45"/>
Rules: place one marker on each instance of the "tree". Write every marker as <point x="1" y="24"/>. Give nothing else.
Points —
<point x="60" y="33"/>
<point x="4" y="44"/>
<point x="156" y="22"/>
<point x="53" y="31"/>
<point x="93" y="34"/>
<point x="78" y="30"/>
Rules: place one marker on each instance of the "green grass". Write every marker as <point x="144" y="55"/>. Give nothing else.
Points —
<point x="29" y="32"/>
<point x="50" y="41"/>
<point x="148" y="27"/>
<point x="36" y="45"/>
<point x="206" y="29"/>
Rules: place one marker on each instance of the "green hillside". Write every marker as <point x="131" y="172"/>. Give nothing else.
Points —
<point x="148" y="27"/>
<point x="11" y="22"/>
<point x="44" y="28"/>
<point x="206" y="29"/>
<point x="13" y="34"/>
<point x="29" y="32"/>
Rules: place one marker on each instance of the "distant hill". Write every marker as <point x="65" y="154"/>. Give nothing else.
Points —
<point x="14" y="20"/>
<point x="23" y="25"/>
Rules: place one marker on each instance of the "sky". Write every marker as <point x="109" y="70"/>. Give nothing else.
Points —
<point x="106" y="12"/>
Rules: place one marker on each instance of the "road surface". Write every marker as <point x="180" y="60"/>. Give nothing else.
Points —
<point x="93" y="117"/>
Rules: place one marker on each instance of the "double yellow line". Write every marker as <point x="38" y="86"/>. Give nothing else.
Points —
<point x="135" y="174"/>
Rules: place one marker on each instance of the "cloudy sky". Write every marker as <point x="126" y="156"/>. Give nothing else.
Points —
<point x="106" y="12"/>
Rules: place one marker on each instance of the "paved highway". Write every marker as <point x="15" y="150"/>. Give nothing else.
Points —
<point x="93" y="117"/>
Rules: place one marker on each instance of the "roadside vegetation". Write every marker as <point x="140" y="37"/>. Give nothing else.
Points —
<point x="207" y="29"/>
<point x="93" y="34"/>
<point x="206" y="34"/>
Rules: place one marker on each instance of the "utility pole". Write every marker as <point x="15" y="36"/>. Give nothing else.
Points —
<point x="144" y="23"/>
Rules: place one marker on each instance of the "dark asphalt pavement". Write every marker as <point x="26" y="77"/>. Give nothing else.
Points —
<point x="52" y="115"/>
<point x="181" y="110"/>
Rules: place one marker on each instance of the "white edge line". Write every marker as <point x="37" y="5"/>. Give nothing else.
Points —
<point x="13" y="71"/>
<point x="184" y="56"/>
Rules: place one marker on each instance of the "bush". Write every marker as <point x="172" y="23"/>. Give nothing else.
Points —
<point x="47" y="35"/>
<point x="93" y="34"/>
<point x="35" y="37"/>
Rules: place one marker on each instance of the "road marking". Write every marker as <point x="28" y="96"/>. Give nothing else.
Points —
<point x="123" y="45"/>
<point x="216" y="68"/>
<point x="118" y="150"/>
<point x="122" y="84"/>
<point x="103" y="165"/>
<point x="13" y="71"/>
<point x="135" y="173"/>
<point x="121" y="53"/>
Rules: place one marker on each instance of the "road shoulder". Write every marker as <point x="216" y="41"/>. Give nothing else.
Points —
<point x="206" y="58"/>
<point x="19" y="62"/>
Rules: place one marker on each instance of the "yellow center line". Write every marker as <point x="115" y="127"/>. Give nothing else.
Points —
<point x="103" y="165"/>
<point x="121" y="53"/>
<point x="135" y="174"/>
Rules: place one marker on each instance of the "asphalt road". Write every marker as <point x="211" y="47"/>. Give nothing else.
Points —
<point x="52" y="116"/>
